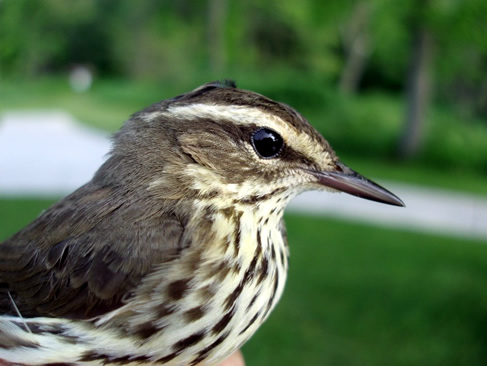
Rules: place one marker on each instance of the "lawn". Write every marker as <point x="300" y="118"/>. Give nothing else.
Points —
<point x="362" y="295"/>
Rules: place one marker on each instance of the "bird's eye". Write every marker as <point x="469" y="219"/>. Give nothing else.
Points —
<point x="267" y="143"/>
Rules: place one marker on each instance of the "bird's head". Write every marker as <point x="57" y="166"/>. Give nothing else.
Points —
<point x="220" y="141"/>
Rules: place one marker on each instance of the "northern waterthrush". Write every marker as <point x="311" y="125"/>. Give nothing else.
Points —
<point x="175" y="252"/>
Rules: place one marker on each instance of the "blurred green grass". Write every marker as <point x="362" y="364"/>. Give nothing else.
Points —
<point x="361" y="295"/>
<point x="363" y="130"/>
<point x="105" y="106"/>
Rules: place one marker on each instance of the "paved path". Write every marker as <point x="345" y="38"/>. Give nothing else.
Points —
<point x="46" y="153"/>
<point x="427" y="209"/>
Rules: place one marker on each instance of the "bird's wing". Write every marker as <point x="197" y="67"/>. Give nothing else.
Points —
<point x="85" y="254"/>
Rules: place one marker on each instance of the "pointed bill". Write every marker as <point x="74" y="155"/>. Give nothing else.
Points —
<point x="346" y="180"/>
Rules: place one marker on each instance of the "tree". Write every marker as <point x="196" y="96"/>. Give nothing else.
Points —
<point x="357" y="46"/>
<point x="418" y="90"/>
<point x="217" y="14"/>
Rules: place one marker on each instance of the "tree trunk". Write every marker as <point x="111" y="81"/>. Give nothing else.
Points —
<point x="217" y="12"/>
<point x="356" y="43"/>
<point x="417" y="93"/>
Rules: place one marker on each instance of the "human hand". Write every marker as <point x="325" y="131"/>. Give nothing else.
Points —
<point x="235" y="359"/>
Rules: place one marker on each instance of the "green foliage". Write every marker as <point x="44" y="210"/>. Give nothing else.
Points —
<point x="291" y="51"/>
<point x="170" y="40"/>
<point x="161" y="39"/>
<point x="454" y="141"/>
<point x="17" y="213"/>
<point x="38" y="37"/>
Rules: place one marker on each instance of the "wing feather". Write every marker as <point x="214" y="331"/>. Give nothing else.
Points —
<point x="86" y="253"/>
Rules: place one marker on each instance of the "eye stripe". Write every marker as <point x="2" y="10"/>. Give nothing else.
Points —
<point x="239" y="115"/>
<point x="245" y="119"/>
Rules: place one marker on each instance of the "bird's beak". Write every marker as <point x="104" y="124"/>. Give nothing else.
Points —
<point x="344" y="179"/>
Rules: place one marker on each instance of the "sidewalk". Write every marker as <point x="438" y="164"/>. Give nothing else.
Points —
<point x="427" y="209"/>
<point x="47" y="153"/>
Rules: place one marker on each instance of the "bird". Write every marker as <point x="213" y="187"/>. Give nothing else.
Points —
<point x="175" y="252"/>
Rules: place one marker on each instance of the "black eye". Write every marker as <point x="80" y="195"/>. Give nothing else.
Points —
<point x="267" y="143"/>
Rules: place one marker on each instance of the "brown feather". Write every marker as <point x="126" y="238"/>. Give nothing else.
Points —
<point x="84" y="254"/>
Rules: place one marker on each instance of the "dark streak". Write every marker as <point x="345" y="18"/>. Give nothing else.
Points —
<point x="168" y="358"/>
<point x="193" y="261"/>
<point x="237" y="267"/>
<point x="109" y="360"/>
<point x="89" y="356"/>
<point x="146" y="330"/>
<point x="264" y="268"/>
<point x="250" y="272"/>
<point x="276" y="283"/>
<point x="177" y="289"/>
<point x="164" y="310"/>
<point x="188" y="342"/>
<point x="283" y="256"/>
<point x="258" y="250"/>
<point x="206" y="293"/>
<point x="194" y="314"/>
<point x="211" y="194"/>
<point x="274" y="290"/>
<point x="254" y="199"/>
<point x="253" y="300"/>
<point x="254" y="318"/>
<point x="236" y="233"/>
<point x="230" y="300"/>
<point x="221" y="270"/>
<point x="228" y="212"/>
<point x="206" y="351"/>
<point x="220" y="326"/>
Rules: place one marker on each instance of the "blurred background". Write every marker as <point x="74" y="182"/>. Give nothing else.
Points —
<point x="399" y="89"/>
